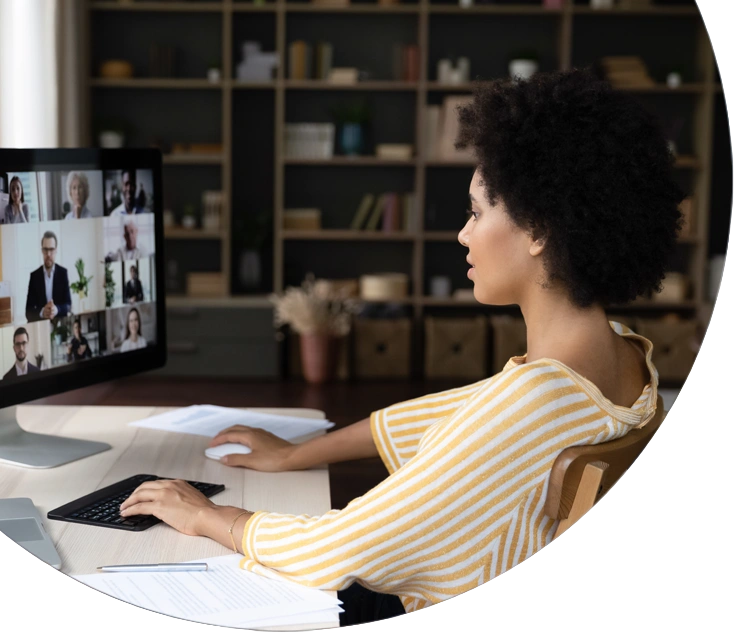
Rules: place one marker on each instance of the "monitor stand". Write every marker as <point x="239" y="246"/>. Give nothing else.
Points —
<point x="18" y="447"/>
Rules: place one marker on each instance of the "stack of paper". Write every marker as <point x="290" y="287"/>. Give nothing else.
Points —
<point x="209" y="420"/>
<point x="224" y="595"/>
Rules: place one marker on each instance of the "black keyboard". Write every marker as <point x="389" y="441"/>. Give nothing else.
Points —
<point x="102" y="507"/>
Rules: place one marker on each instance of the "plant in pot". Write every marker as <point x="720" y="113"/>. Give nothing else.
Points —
<point x="81" y="285"/>
<point x="109" y="285"/>
<point x="524" y="64"/>
<point x="250" y="233"/>
<point x="352" y="122"/>
<point x="320" y="318"/>
<point x="59" y="333"/>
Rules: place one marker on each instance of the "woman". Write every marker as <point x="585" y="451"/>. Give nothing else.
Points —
<point x="78" y="192"/>
<point x="78" y="348"/>
<point x="573" y="208"/>
<point x="134" y="339"/>
<point x="16" y="212"/>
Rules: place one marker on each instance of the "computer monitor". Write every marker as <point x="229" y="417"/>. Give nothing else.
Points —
<point x="81" y="282"/>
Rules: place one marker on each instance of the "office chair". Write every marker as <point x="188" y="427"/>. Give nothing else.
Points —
<point x="581" y="475"/>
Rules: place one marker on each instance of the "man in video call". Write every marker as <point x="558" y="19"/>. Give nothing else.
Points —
<point x="131" y="248"/>
<point x="20" y="347"/>
<point x="48" y="288"/>
<point x="129" y="205"/>
<point x="134" y="290"/>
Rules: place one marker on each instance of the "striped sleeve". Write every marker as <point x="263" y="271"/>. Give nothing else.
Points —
<point x="465" y="508"/>
<point x="398" y="428"/>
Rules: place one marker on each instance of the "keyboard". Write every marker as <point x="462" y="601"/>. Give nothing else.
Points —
<point x="102" y="507"/>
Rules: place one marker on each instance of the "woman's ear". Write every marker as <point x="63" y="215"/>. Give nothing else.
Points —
<point x="536" y="246"/>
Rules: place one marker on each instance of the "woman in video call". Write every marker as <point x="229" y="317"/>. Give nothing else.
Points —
<point x="78" y="192"/>
<point x="573" y="207"/>
<point x="134" y="339"/>
<point x="16" y="212"/>
<point x="78" y="348"/>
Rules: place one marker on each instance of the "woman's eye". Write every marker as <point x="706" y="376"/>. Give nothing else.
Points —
<point x="471" y="213"/>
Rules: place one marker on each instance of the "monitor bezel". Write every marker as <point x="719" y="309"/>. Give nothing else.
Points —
<point x="81" y="374"/>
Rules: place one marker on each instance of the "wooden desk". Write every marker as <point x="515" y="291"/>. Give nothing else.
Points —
<point x="83" y="548"/>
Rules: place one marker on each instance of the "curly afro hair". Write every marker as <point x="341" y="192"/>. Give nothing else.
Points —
<point x="586" y="168"/>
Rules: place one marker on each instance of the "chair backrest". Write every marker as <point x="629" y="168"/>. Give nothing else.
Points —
<point x="581" y="475"/>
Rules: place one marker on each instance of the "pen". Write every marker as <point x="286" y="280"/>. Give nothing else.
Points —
<point x="157" y="567"/>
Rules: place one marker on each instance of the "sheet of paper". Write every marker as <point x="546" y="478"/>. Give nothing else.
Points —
<point x="209" y="420"/>
<point x="311" y="618"/>
<point x="224" y="595"/>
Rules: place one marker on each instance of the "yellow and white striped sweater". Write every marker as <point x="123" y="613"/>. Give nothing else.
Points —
<point x="465" y="496"/>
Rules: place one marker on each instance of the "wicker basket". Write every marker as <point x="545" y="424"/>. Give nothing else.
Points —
<point x="673" y="353"/>
<point x="382" y="348"/>
<point x="456" y="348"/>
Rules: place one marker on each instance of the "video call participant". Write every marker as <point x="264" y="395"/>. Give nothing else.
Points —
<point x="129" y="205"/>
<point x="16" y="212"/>
<point x="48" y="288"/>
<point x="134" y="339"/>
<point x="20" y="347"/>
<point x="78" y="192"/>
<point x="134" y="291"/>
<point x="130" y="248"/>
<point x="78" y="348"/>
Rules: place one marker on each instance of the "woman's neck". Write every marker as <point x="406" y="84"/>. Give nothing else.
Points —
<point x="556" y="327"/>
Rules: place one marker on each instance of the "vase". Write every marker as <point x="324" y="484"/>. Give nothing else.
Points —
<point x="250" y="269"/>
<point x="318" y="357"/>
<point x="351" y="138"/>
<point x="522" y="68"/>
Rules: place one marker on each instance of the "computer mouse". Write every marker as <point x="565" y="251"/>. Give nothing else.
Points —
<point x="222" y="450"/>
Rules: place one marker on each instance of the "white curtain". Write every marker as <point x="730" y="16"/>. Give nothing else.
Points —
<point x="40" y="73"/>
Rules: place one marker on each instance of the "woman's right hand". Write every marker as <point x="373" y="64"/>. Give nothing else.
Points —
<point x="269" y="453"/>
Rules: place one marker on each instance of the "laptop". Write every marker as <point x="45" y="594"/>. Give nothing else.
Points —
<point x="21" y="522"/>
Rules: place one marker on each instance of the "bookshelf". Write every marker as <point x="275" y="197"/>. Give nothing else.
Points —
<point x="248" y="119"/>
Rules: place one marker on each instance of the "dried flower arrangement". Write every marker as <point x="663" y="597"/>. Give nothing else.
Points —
<point x="311" y="310"/>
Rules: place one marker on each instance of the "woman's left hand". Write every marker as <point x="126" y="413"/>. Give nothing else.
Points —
<point x="175" y="502"/>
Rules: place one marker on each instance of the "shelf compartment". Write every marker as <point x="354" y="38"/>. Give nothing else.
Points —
<point x="195" y="233"/>
<point x="155" y="83"/>
<point x="195" y="159"/>
<point x="190" y="7"/>
<point x="346" y="235"/>
<point x="369" y="85"/>
<point x="367" y="160"/>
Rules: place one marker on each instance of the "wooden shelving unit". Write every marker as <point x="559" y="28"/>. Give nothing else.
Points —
<point x="426" y="20"/>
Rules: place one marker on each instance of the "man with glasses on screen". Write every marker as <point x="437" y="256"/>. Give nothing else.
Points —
<point x="48" y="289"/>
<point x="20" y="347"/>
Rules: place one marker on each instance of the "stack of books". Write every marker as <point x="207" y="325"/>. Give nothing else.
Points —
<point x="626" y="72"/>
<point x="309" y="62"/>
<point x="389" y="212"/>
<point x="309" y="141"/>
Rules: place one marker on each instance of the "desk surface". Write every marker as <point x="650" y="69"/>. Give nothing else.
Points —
<point x="139" y="450"/>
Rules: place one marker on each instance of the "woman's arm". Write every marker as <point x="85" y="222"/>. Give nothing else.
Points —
<point x="273" y="454"/>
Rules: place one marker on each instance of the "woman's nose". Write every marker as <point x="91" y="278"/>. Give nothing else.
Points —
<point x="462" y="236"/>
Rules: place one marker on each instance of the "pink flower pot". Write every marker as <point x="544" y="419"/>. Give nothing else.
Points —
<point x="318" y="357"/>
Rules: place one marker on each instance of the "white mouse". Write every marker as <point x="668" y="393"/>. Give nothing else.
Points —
<point x="224" y="449"/>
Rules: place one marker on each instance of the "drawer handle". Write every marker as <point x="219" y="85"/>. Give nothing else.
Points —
<point x="185" y="347"/>
<point x="186" y="313"/>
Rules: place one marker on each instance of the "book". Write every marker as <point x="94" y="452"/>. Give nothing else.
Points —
<point x="431" y="131"/>
<point x="411" y="62"/>
<point x="363" y="210"/>
<point x="324" y="53"/>
<point x="391" y="214"/>
<point x="374" y="220"/>
<point x="297" y="58"/>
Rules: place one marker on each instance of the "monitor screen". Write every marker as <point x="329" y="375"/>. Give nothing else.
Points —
<point x="81" y="293"/>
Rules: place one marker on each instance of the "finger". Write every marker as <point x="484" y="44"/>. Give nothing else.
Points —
<point x="237" y="460"/>
<point x="236" y="436"/>
<point x="140" y="509"/>
<point x="234" y="428"/>
<point x="140" y="496"/>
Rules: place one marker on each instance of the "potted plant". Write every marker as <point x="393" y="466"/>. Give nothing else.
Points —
<point x="251" y="232"/>
<point x="214" y="70"/>
<point x="109" y="285"/>
<point x="81" y="285"/>
<point x="320" y="318"/>
<point x="353" y="124"/>
<point x="524" y="64"/>
<point x="59" y="333"/>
